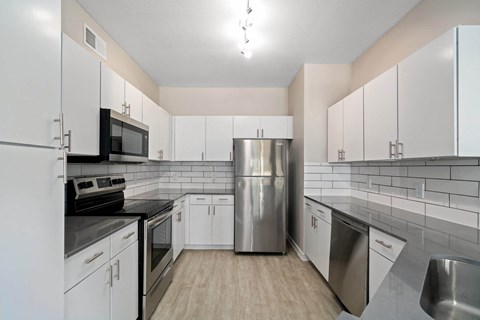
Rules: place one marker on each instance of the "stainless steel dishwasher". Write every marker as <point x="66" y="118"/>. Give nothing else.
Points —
<point x="349" y="262"/>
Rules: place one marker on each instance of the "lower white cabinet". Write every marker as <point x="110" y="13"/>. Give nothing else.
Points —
<point x="211" y="221"/>
<point x="178" y="226"/>
<point x="384" y="250"/>
<point x="317" y="235"/>
<point x="111" y="291"/>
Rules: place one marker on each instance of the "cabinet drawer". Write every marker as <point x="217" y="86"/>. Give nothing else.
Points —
<point x="82" y="264"/>
<point x="123" y="238"/>
<point x="309" y="206"/>
<point x="388" y="246"/>
<point x="178" y="204"/>
<point x="323" y="213"/>
<point x="200" y="199"/>
<point x="223" y="199"/>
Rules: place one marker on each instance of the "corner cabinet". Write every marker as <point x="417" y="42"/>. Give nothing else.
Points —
<point x="101" y="281"/>
<point x="159" y="124"/>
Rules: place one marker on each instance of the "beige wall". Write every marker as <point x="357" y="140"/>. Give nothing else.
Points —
<point x="73" y="17"/>
<point x="325" y="84"/>
<point x="296" y="95"/>
<point x="421" y="25"/>
<point x="181" y="101"/>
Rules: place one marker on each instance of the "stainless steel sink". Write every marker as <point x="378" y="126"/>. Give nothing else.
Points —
<point x="451" y="289"/>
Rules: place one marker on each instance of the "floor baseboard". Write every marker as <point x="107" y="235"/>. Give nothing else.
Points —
<point x="299" y="252"/>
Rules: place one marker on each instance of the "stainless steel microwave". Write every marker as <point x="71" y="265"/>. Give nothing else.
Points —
<point x="122" y="139"/>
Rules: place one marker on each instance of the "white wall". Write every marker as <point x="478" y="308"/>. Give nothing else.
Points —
<point x="424" y="23"/>
<point x="224" y="101"/>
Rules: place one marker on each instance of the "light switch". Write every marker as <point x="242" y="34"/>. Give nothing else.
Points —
<point x="420" y="190"/>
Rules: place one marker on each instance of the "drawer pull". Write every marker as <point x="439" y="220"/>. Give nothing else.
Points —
<point x="388" y="246"/>
<point x="308" y="204"/>
<point x="222" y="199"/>
<point x="175" y="205"/>
<point x="95" y="256"/>
<point x="321" y="211"/>
<point x="183" y="201"/>
<point x="200" y="198"/>
<point x="129" y="235"/>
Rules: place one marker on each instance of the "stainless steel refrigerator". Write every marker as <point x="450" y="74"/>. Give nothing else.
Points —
<point x="261" y="195"/>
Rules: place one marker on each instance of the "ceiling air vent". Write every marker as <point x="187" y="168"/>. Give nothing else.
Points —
<point x="94" y="42"/>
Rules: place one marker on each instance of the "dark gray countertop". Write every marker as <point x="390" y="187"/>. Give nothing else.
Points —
<point x="83" y="231"/>
<point x="174" y="194"/>
<point x="399" y="295"/>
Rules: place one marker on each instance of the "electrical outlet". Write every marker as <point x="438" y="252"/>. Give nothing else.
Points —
<point x="420" y="190"/>
<point x="369" y="183"/>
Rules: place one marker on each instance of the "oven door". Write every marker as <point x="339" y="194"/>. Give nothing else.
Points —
<point x="158" y="248"/>
<point x="122" y="138"/>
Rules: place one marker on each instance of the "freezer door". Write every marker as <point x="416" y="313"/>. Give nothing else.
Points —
<point x="260" y="158"/>
<point x="260" y="214"/>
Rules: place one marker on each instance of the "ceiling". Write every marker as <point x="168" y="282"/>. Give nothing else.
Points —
<point x="196" y="42"/>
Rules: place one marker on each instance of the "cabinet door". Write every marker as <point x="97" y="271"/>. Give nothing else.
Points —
<point x="309" y="236"/>
<point x="380" y="108"/>
<point x="274" y="127"/>
<point x="90" y="299"/>
<point x="246" y="127"/>
<point x="125" y="284"/>
<point x="353" y="126"/>
<point x="219" y="138"/>
<point x="165" y="138"/>
<point x="81" y="98"/>
<point x="134" y="102"/>
<point x="377" y="271"/>
<point x="323" y="232"/>
<point x="176" y="233"/>
<point x="181" y="230"/>
<point x="335" y="131"/>
<point x="112" y="90"/>
<point x="200" y="225"/>
<point x="30" y="64"/>
<point x="35" y="227"/>
<point x="222" y="225"/>
<point x="152" y="118"/>
<point x="426" y="100"/>
<point x="189" y="138"/>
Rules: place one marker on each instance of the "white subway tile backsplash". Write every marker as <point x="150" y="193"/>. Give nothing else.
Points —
<point x="429" y="172"/>
<point x="335" y="192"/>
<point x="465" y="203"/>
<point x="94" y="169"/>
<point x="386" y="200"/>
<point x="381" y="180"/>
<point x="336" y="176"/>
<point x="318" y="184"/>
<point x="312" y="192"/>
<point x="466" y="188"/>
<point x="359" y="194"/>
<point x="317" y="169"/>
<point x="393" y="191"/>
<point x="393" y="171"/>
<point x="202" y="168"/>
<point x="466" y="218"/>
<point x="406" y="182"/>
<point x="223" y="168"/>
<point x="192" y="174"/>
<point x="458" y="162"/>
<point x="341" y="184"/>
<point x="369" y="170"/>
<point x="466" y="173"/>
<point x="413" y="206"/>
<point x="74" y="170"/>
<point x="312" y="176"/>
<point x="337" y="169"/>
<point x="431" y="197"/>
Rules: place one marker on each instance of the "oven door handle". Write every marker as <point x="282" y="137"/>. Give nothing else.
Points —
<point x="157" y="221"/>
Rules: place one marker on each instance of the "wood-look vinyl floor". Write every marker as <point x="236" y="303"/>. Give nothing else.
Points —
<point x="223" y="285"/>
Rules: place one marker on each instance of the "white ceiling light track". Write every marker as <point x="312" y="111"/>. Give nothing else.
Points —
<point x="245" y="25"/>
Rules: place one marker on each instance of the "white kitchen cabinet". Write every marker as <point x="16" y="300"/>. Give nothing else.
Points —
<point x="112" y="90"/>
<point x="31" y="68"/>
<point x="310" y="232"/>
<point x="124" y="294"/>
<point x="438" y="97"/>
<point x="379" y="266"/>
<point x="223" y="224"/>
<point x="335" y="132"/>
<point x="90" y="299"/>
<point x="35" y="227"/>
<point x="178" y="227"/>
<point x="159" y="130"/>
<point x="189" y="138"/>
<point x="246" y="127"/>
<point x="353" y="126"/>
<point x="324" y="231"/>
<point x="211" y="222"/>
<point x="380" y="110"/>
<point x="80" y="98"/>
<point x="219" y="138"/>
<point x="200" y="225"/>
<point x="133" y="102"/>
<point x="267" y="127"/>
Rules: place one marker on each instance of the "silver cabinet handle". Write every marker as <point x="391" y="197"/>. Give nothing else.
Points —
<point x="321" y="211"/>
<point x="262" y="133"/>
<point x="128" y="235"/>
<point x="109" y="278"/>
<point x="202" y="155"/>
<point x="391" y="150"/>
<point x="124" y="108"/>
<point x="388" y="246"/>
<point x="343" y="155"/>
<point x="95" y="256"/>
<point x="223" y="199"/>
<point x="399" y="153"/>
<point x="311" y="221"/>
<point x="60" y="123"/>
<point x="257" y="133"/>
<point x="117" y="263"/>
<point x="213" y="210"/>
<point x="338" y="155"/>
<point x="69" y="135"/>
<point x="200" y="198"/>
<point x="314" y="223"/>
<point x="308" y="204"/>
<point x="183" y="201"/>
<point x="127" y="108"/>
<point x="208" y="210"/>
<point x="230" y="155"/>
<point x="65" y="172"/>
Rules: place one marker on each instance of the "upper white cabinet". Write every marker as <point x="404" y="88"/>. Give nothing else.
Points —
<point x="119" y="95"/>
<point x="30" y="64"/>
<point x="159" y="124"/>
<point x="267" y="127"/>
<point x="335" y="132"/>
<point x="380" y="110"/>
<point x="80" y="98"/>
<point x="438" y="97"/>
<point x="112" y="90"/>
<point x="219" y="138"/>
<point x="190" y="138"/>
<point x="353" y="126"/>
